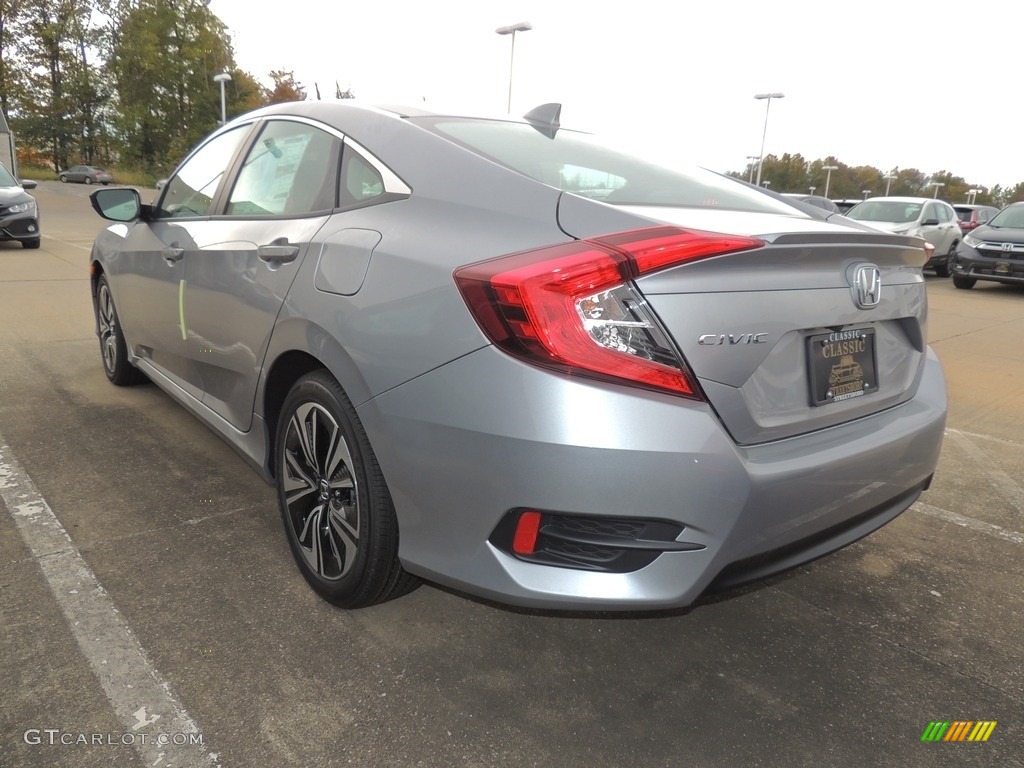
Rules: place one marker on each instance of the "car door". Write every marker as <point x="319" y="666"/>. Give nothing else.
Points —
<point x="150" y="271"/>
<point x="948" y="226"/>
<point x="931" y="229"/>
<point x="241" y="263"/>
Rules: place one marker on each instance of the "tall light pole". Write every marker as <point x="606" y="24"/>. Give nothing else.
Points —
<point x="222" y="78"/>
<point x="750" y="160"/>
<point x="936" y="184"/>
<point x="865" y="192"/>
<point x="768" y="98"/>
<point x="888" y="182"/>
<point x="828" y="178"/>
<point x="511" y="29"/>
<point x="972" y="195"/>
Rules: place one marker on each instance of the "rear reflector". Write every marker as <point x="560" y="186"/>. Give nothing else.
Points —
<point x="525" y="540"/>
<point x="573" y="307"/>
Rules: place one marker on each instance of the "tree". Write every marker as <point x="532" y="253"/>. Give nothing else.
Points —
<point x="285" y="88"/>
<point x="162" y="57"/>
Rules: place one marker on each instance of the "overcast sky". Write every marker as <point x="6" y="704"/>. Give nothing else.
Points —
<point x="872" y="82"/>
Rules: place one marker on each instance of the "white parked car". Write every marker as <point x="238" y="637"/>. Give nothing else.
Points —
<point x="933" y="220"/>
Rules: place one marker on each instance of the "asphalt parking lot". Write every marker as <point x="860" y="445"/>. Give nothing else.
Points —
<point x="150" y="613"/>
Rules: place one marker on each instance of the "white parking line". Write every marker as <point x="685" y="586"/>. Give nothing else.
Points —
<point x="1001" y="480"/>
<point x="980" y="526"/>
<point x="154" y="721"/>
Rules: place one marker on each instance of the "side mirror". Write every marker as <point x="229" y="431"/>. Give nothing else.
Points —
<point x="121" y="204"/>
<point x="27" y="184"/>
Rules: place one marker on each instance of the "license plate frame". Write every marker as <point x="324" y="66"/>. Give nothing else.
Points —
<point x="841" y="365"/>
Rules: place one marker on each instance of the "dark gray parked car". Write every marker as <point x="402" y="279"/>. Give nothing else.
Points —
<point x="500" y="355"/>
<point x="19" y="212"/>
<point x="993" y="251"/>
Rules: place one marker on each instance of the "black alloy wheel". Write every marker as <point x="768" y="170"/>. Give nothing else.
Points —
<point x="113" y="349"/>
<point x="335" y="505"/>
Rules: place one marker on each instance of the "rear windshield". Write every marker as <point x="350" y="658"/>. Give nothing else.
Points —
<point x="885" y="210"/>
<point x="581" y="164"/>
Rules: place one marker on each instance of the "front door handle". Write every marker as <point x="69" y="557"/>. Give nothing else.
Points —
<point x="279" y="251"/>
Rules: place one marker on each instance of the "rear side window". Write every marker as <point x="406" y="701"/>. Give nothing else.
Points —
<point x="290" y="170"/>
<point x="579" y="163"/>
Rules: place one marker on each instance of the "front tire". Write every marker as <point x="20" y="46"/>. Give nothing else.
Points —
<point x="945" y="269"/>
<point x="966" y="283"/>
<point x="88" y="179"/>
<point x="113" y="349"/>
<point x="337" y="512"/>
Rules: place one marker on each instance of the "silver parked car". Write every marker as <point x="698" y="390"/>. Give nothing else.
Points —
<point x="86" y="174"/>
<point x="933" y="220"/>
<point x="502" y="356"/>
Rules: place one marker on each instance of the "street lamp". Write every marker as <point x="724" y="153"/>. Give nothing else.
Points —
<point x="222" y="78"/>
<point x="972" y="195"/>
<point x="766" y="184"/>
<point x="828" y="178"/>
<point x="812" y="190"/>
<point x="865" y="192"/>
<point x="511" y="29"/>
<point x="768" y="98"/>
<point x="936" y="184"/>
<point x="888" y="182"/>
<point x="750" y="161"/>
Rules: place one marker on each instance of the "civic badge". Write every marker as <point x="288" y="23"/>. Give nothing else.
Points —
<point x="865" y="285"/>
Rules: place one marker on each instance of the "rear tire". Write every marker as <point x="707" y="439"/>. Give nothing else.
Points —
<point x="63" y="178"/>
<point x="113" y="349"/>
<point x="966" y="283"/>
<point x="335" y="505"/>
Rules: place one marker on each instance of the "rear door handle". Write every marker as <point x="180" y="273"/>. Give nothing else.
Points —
<point x="279" y="251"/>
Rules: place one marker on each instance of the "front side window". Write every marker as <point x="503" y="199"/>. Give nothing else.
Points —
<point x="291" y="169"/>
<point x="192" y="189"/>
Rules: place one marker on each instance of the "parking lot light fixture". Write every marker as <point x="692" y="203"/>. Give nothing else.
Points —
<point x="812" y="190"/>
<point x="750" y="163"/>
<point x="936" y="184"/>
<point x="828" y="177"/>
<point x="511" y="29"/>
<point x="766" y="97"/>
<point x="222" y="78"/>
<point x="888" y="182"/>
<point x="865" y="192"/>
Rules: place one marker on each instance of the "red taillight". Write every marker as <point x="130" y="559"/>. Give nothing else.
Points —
<point x="572" y="307"/>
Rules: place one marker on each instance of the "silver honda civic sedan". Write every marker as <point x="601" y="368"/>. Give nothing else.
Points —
<point x="505" y="357"/>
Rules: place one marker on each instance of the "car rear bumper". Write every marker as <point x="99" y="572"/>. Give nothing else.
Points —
<point x="505" y="436"/>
